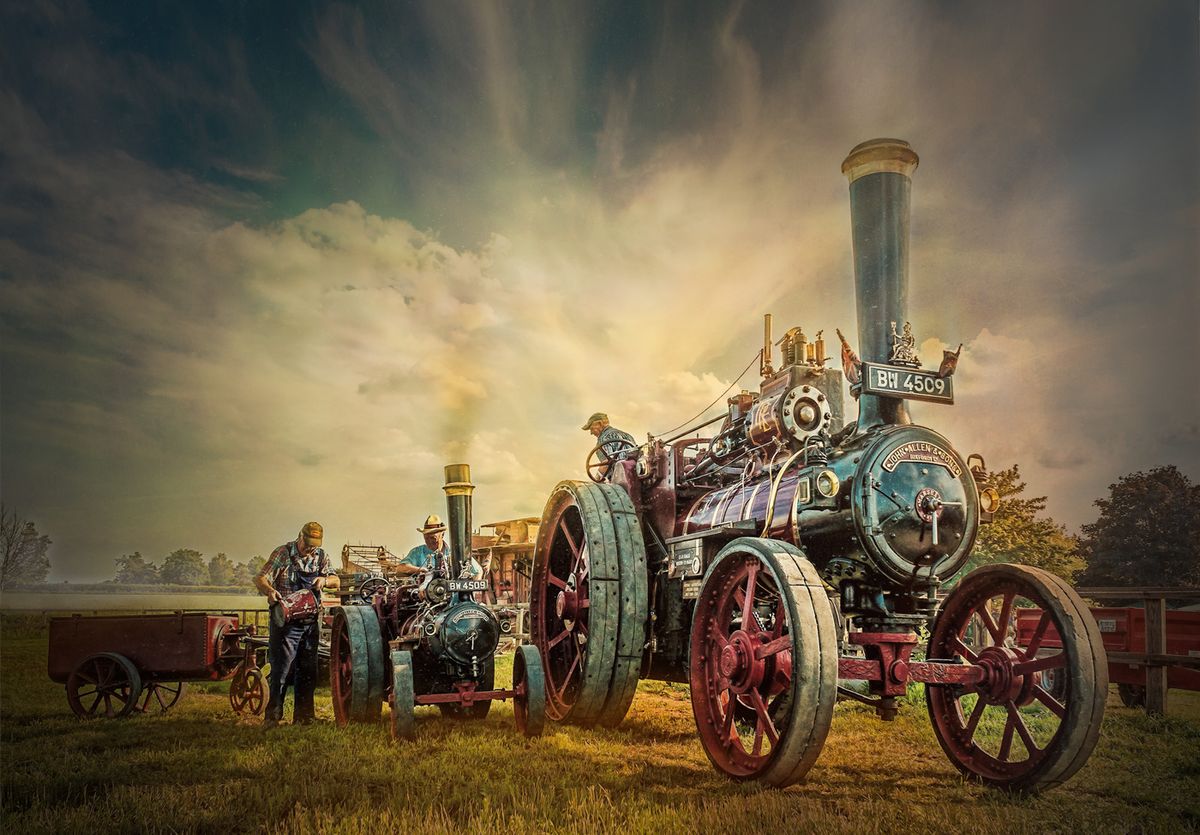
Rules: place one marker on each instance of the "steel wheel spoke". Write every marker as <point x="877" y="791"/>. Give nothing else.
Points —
<point x="557" y="639"/>
<point x="727" y="732"/>
<point x="1013" y="714"/>
<point x="764" y="716"/>
<point x="562" y="526"/>
<point x="1036" y="665"/>
<point x="780" y="619"/>
<point x="1035" y="641"/>
<point x="962" y="649"/>
<point x="1005" y="612"/>
<point x="976" y="715"/>
<point x="748" y="601"/>
<point x="96" y="702"/>
<point x="773" y="647"/>
<point x="555" y="581"/>
<point x="989" y="624"/>
<point x="1006" y="740"/>
<point x="1056" y="707"/>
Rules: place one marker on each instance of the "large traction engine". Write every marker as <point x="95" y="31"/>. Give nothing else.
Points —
<point x="430" y="643"/>
<point x="786" y="552"/>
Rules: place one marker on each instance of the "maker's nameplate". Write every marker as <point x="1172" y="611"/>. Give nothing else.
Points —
<point x="909" y="383"/>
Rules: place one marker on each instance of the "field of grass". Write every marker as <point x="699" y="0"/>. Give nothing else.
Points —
<point x="200" y="768"/>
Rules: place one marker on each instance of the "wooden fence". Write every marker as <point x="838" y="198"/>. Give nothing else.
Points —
<point x="1155" y="659"/>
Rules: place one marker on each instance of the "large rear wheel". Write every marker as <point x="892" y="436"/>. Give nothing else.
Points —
<point x="105" y="684"/>
<point x="1035" y="718"/>
<point x="356" y="666"/>
<point x="588" y="605"/>
<point x="764" y="662"/>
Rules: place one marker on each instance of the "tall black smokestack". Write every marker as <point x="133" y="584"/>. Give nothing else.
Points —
<point x="458" y="489"/>
<point x="880" y="172"/>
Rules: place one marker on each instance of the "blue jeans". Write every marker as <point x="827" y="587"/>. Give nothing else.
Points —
<point x="292" y="649"/>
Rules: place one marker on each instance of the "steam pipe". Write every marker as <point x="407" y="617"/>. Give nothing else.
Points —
<point x="880" y="175"/>
<point x="458" y="489"/>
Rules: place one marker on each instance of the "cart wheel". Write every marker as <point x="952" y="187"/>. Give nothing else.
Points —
<point x="764" y="638"/>
<point x="529" y="707"/>
<point x="160" y="696"/>
<point x="587" y="602"/>
<point x="105" y="684"/>
<point x="247" y="693"/>
<point x="1011" y="731"/>
<point x="477" y="710"/>
<point x="1132" y="695"/>
<point x="356" y="665"/>
<point x="403" y="699"/>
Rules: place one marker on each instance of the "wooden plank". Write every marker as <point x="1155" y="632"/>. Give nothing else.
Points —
<point x="1154" y="660"/>
<point x="1156" y="644"/>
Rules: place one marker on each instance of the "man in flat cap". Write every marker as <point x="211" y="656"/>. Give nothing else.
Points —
<point x="612" y="442"/>
<point x="292" y="647"/>
<point x="434" y="554"/>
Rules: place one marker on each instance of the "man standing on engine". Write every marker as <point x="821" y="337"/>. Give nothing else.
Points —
<point x="434" y="555"/>
<point x="612" y="443"/>
<point x="292" y="647"/>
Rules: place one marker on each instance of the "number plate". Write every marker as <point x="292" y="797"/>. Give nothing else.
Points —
<point x="468" y="585"/>
<point x="909" y="383"/>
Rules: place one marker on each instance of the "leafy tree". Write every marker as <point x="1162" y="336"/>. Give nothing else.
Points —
<point x="185" y="567"/>
<point x="220" y="571"/>
<point x="1021" y="534"/>
<point x="1148" y="532"/>
<point x="243" y="573"/>
<point x="24" y="557"/>
<point x="133" y="568"/>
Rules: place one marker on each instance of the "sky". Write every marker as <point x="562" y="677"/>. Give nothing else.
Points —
<point x="263" y="262"/>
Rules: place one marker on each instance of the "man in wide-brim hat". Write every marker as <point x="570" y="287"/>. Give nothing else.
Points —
<point x="434" y="554"/>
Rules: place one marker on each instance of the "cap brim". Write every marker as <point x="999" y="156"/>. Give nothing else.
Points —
<point x="587" y="425"/>
<point x="441" y="529"/>
<point x="315" y="541"/>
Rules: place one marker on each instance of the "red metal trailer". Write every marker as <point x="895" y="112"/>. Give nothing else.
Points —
<point x="114" y="665"/>
<point x="1131" y="658"/>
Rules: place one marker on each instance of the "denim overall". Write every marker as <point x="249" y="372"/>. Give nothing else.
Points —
<point x="292" y="649"/>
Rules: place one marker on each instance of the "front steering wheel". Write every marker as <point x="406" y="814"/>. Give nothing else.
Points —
<point x="593" y="467"/>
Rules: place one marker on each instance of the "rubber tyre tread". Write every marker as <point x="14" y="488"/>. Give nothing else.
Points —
<point x="403" y="725"/>
<point x="530" y="664"/>
<point x="376" y="663"/>
<point x="814" y="656"/>
<point x="633" y="606"/>
<point x="359" y="669"/>
<point x="1087" y="663"/>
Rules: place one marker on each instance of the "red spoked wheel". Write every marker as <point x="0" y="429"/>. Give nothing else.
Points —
<point x="587" y="606"/>
<point x="248" y="693"/>
<point x="160" y="696"/>
<point x="764" y="662"/>
<point x="105" y="684"/>
<point x="1035" y="718"/>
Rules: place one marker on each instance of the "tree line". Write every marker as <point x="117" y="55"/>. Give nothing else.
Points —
<point x="1147" y="533"/>
<point x="186" y="567"/>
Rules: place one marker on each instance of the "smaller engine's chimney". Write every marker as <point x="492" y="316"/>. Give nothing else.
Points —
<point x="880" y="172"/>
<point x="458" y="489"/>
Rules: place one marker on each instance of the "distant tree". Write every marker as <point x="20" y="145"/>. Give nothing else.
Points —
<point x="1148" y="532"/>
<point x="133" y="568"/>
<point x="24" y="559"/>
<point x="184" y="567"/>
<point x="220" y="571"/>
<point x="243" y="573"/>
<point x="1021" y="534"/>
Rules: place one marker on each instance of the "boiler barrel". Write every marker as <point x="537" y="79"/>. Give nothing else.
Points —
<point x="880" y="172"/>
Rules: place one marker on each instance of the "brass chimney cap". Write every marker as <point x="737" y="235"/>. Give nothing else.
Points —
<point x="880" y="155"/>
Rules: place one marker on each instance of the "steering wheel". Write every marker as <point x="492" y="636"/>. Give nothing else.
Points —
<point x="371" y="587"/>
<point x="593" y="467"/>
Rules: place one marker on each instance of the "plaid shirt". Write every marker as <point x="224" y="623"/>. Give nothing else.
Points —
<point x="610" y="444"/>
<point x="278" y="567"/>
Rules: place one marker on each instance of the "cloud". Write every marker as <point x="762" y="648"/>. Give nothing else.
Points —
<point x="597" y="213"/>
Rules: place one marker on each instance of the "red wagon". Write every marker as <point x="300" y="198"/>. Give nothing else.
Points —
<point x="114" y="665"/>
<point x="1123" y="631"/>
